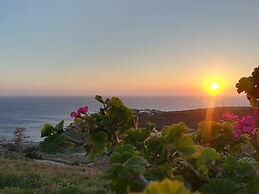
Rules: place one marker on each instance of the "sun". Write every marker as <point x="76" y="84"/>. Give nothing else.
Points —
<point x="214" y="86"/>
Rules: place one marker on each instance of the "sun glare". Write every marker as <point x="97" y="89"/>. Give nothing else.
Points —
<point x="214" y="86"/>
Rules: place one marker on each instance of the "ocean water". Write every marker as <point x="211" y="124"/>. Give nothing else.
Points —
<point x="33" y="112"/>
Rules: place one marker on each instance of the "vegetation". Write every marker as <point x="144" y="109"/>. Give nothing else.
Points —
<point x="25" y="177"/>
<point x="19" y="137"/>
<point x="219" y="157"/>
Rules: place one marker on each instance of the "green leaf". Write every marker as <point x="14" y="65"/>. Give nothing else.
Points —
<point x="240" y="171"/>
<point x="174" y="131"/>
<point x="99" y="145"/>
<point x="122" y="153"/>
<point x="124" y="148"/>
<point x="60" y="126"/>
<point x="137" y="135"/>
<point x="185" y="145"/>
<point x="49" y="147"/>
<point x="99" y="99"/>
<point x="125" y="170"/>
<point x="52" y="143"/>
<point x="166" y="187"/>
<point x="136" y="164"/>
<point x="118" y="112"/>
<point x="220" y="186"/>
<point x="207" y="156"/>
<point x="47" y="130"/>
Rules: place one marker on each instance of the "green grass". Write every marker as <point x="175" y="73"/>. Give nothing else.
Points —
<point x="25" y="177"/>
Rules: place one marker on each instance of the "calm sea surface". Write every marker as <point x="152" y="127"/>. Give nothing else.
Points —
<point x="33" y="112"/>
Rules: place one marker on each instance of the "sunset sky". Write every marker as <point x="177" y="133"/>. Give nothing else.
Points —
<point x="131" y="47"/>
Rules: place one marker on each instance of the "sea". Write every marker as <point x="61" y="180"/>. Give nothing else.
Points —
<point x="32" y="113"/>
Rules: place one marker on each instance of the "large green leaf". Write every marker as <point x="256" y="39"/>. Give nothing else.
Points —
<point x="125" y="170"/>
<point x="174" y="131"/>
<point x="99" y="99"/>
<point x="220" y="186"/>
<point x="166" y="187"/>
<point x="47" y="130"/>
<point x="240" y="170"/>
<point x="52" y="143"/>
<point x="60" y="126"/>
<point x="99" y="145"/>
<point x="136" y="164"/>
<point x="207" y="156"/>
<point x="123" y="148"/>
<point x="137" y="135"/>
<point x="118" y="112"/>
<point x="185" y="145"/>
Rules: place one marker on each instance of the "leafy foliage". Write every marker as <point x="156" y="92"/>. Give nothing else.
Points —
<point x="106" y="128"/>
<point x="250" y="85"/>
<point x="48" y="129"/>
<point x="211" y="160"/>
<point x="54" y="138"/>
<point x="220" y="186"/>
<point x="98" y="147"/>
<point x="219" y="135"/>
<point x="19" y="137"/>
<point x="241" y="171"/>
<point x="126" y="170"/>
<point x="166" y="186"/>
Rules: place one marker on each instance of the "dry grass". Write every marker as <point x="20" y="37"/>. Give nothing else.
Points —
<point x="20" y="176"/>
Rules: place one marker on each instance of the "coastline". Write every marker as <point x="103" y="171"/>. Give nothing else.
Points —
<point x="161" y="118"/>
<point x="190" y="117"/>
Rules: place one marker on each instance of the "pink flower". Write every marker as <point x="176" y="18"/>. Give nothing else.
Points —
<point x="245" y="125"/>
<point x="248" y="124"/>
<point x="229" y="116"/>
<point x="80" y="110"/>
<point x="237" y="134"/>
<point x="74" y="115"/>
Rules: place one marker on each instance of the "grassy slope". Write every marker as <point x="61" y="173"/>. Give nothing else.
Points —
<point x="20" y="176"/>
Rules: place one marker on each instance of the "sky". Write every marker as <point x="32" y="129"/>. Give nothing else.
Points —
<point x="126" y="47"/>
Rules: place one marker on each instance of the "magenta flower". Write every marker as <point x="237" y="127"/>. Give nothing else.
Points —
<point x="245" y="125"/>
<point x="75" y="115"/>
<point x="248" y="124"/>
<point x="229" y="116"/>
<point x="80" y="111"/>
<point x="237" y="133"/>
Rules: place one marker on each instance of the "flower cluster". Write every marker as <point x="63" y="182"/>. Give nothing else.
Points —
<point x="229" y="117"/>
<point x="80" y="111"/>
<point x="245" y="125"/>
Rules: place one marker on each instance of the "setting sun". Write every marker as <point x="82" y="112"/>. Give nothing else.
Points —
<point x="214" y="86"/>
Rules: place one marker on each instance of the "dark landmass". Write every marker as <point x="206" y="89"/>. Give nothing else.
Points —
<point x="190" y="117"/>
